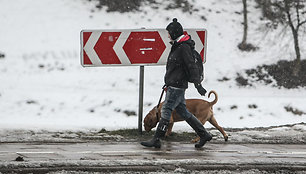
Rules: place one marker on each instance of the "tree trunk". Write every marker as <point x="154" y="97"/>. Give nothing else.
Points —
<point x="245" y="22"/>
<point x="297" y="62"/>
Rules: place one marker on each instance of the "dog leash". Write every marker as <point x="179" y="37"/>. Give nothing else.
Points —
<point x="164" y="88"/>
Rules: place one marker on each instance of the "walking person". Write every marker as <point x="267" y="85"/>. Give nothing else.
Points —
<point x="176" y="81"/>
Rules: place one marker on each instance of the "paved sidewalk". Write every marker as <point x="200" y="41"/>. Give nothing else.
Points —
<point x="131" y="156"/>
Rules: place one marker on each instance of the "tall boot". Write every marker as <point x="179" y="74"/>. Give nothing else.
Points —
<point x="200" y="130"/>
<point x="160" y="132"/>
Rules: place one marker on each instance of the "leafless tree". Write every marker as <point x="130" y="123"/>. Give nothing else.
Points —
<point x="244" y="46"/>
<point x="245" y="22"/>
<point x="295" y="11"/>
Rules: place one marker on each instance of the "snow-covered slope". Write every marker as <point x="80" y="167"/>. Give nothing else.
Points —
<point x="43" y="86"/>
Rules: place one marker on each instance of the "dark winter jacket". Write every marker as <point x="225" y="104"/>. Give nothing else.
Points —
<point x="179" y="60"/>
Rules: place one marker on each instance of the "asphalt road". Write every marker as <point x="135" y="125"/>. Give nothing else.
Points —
<point x="131" y="156"/>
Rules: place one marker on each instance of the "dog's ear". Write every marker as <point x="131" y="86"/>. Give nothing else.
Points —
<point x="149" y="120"/>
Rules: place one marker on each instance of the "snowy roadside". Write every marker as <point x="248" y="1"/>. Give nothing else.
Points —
<point x="284" y="134"/>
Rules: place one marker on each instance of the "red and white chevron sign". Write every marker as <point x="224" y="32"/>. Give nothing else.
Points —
<point x="132" y="47"/>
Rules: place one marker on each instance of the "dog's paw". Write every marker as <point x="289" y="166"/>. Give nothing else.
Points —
<point x="225" y="138"/>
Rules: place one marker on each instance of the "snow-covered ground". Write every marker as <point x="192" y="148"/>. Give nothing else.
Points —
<point x="285" y="134"/>
<point x="43" y="85"/>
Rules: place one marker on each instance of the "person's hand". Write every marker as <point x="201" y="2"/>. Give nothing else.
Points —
<point x="200" y="89"/>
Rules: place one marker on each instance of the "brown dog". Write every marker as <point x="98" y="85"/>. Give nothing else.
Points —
<point x="200" y="108"/>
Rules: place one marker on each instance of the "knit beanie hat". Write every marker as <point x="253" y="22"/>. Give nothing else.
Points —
<point x="175" y="29"/>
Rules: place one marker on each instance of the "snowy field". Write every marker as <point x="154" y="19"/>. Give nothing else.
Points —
<point x="43" y="85"/>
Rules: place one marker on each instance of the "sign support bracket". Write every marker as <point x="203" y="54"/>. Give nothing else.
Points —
<point x="140" y="103"/>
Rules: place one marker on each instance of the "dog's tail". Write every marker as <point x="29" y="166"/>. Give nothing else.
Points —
<point x="216" y="97"/>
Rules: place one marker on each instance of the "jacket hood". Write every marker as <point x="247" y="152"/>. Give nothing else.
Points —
<point x="187" y="39"/>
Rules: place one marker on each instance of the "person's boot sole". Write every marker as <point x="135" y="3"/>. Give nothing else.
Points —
<point x="199" y="146"/>
<point x="158" y="145"/>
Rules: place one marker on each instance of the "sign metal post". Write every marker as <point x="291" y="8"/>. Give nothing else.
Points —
<point x="140" y="108"/>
